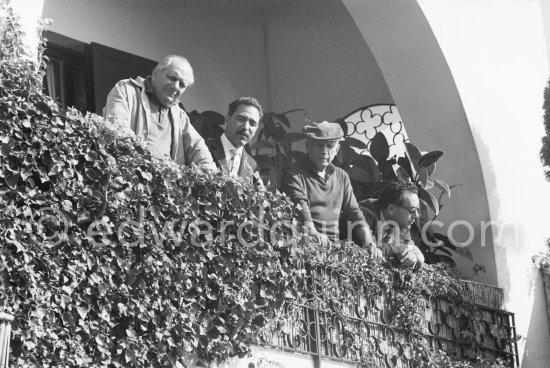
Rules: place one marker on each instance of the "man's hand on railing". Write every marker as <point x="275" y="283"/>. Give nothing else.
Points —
<point x="411" y="257"/>
<point x="375" y="252"/>
<point x="320" y="238"/>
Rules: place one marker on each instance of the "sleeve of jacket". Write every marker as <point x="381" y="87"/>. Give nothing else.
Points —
<point x="117" y="108"/>
<point x="388" y="245"/>
<point x="195" y="147"/>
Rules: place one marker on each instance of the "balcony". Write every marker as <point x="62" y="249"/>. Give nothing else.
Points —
<point x="323" y="329"/>
<point x="112" y="289"/>
<point x="363" y="328"/>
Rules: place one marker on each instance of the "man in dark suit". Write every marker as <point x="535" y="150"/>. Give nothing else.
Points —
<point x="229" y="153"/>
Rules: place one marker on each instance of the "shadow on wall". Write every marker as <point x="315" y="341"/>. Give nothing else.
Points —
<point x="501" y="257"/>
<point x="536" y="350"/>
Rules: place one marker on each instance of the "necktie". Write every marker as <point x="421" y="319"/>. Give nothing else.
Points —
<point x="235" y="162"/>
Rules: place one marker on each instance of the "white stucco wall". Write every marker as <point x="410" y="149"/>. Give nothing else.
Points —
<point x="224" y="41"/>
<point x="496" y="52"/>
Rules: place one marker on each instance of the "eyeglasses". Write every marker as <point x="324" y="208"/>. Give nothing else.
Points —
<point x="412" y="210"/>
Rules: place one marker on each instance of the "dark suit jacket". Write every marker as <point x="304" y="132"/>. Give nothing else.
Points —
<point x="248" y="164"/>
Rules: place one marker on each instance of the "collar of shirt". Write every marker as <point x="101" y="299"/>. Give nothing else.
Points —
<point x="308" y="167"/>
<point x="386" y="231"/>
<point x="151" y="94"/>
<point x="231" y="153"/>
<point x="228" y="147"/>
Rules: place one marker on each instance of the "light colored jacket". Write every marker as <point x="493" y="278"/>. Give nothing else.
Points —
<point x="248" y="164"/>
<point x="128" y="106"/>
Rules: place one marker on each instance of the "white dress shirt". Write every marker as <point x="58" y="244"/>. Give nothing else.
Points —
<point x="232" y="155"/>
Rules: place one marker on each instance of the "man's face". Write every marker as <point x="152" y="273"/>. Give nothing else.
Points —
<point x="170" y="83"/>
<point x="321" y="153"/>
<point x="242" y="125"/>
<point x="406" y="213"/>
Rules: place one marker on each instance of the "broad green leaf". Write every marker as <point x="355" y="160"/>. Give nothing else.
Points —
<point x="429" y="199"/>
<point x="405" y="163"/>
<point x="282" y="119"/>
<point x="443" y="186"/>
<point x="431" y="168"/>
<point x="262" y="144"/>
<point x="414" y="154"/>
<point x="358" y="174"/>
<point x="354" y="142"/>
<point x="401" y="173"/>
<point x="429" y="158"/>
<point x="292" y="137"/>
<point x="379" y="148"/>
<point x="423" y="177"/>
<point x="429" y="183"/>
<point x="465" y="252"/>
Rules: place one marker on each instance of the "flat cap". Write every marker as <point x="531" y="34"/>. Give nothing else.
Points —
<point x="324" y="131"/>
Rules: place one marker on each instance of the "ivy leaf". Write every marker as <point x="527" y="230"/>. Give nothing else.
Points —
<point x="213" y="333"/>
<point x="5" y="150"/>
<point x="146" y="175"/>
<point x="82" y="311"/>
<point x="68" y="173"/>
<point x="91" y="156"/>
<point x="12" y="180"/>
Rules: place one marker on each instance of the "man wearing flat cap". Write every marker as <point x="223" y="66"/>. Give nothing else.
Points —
<point x="323" y="191"/>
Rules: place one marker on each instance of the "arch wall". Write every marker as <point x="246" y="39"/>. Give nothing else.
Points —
<point x="470" y="75"/>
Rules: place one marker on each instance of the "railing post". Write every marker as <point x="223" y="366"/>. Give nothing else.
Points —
<point x="317" y="358"/>
<point x="5" y="334"/>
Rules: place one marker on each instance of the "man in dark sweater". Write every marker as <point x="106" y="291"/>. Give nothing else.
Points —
<point x="322" y="191"/>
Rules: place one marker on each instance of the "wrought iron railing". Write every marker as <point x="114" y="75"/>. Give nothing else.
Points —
<point x="362" y="330"/>
<point x="5" y="334"/>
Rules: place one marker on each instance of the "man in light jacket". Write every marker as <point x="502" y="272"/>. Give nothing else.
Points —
<point x="149" y="107"/>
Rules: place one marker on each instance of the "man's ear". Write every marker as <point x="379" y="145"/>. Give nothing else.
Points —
<point x="391" y="208"/>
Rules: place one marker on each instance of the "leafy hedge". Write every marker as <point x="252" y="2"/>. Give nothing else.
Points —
<point x="111" y="258"/>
